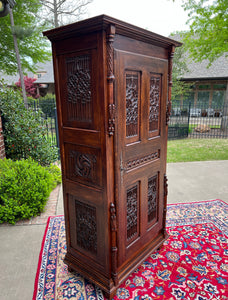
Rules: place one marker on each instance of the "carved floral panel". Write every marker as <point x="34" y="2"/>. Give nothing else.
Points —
<point x="79" y="100"/>
<point x="154" y="110"/>
<point x="132" y="213"/>
<point x="132" y="103"/>
<point x="152" y="198"/>
<point x="86" y="227"/>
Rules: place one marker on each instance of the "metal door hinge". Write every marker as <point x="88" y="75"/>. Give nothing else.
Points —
<point x="165" y="185"/>
<point x="122" y="168"/>
<point x="111" y="119"/>
<point x="168" y="112"/>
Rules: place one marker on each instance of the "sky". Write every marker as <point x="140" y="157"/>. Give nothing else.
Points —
<point x="160" y="16"/>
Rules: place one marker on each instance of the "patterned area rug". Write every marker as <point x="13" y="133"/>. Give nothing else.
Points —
<point x="192" y="264"/>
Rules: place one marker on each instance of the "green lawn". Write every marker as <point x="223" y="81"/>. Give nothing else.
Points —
<point x="197" y="150"/>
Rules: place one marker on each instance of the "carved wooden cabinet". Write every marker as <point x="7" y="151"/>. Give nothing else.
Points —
<point x="113" y="90"/>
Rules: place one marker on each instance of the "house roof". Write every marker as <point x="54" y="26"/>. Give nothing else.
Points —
<point x="46" y="67"/>
<point x="11" y="79"/>
<point x="196" y="71"/>
<point x="199" y="70"/>
<point x="48" y="77"/>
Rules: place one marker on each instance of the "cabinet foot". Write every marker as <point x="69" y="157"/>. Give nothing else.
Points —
<point x="70" y="269"/>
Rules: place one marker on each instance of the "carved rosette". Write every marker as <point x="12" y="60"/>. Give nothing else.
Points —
<point x="170" y="83"/>
<point x="84" y="164"/>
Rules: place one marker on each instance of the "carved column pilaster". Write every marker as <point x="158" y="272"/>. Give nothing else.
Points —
<point x="170" y="83"/>
<point x="114" y="248"/>
<point x="111" y="129"/>
<point x="165" y="201"/>
<point x="110" y="79"/>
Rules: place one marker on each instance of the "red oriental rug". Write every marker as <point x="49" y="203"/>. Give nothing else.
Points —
<point x="192" y="264"/>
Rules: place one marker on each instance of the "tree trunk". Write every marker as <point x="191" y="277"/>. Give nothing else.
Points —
<point x="18" y="60"/>
<point x="55" y="14"/>
<point x="224" y="123"/>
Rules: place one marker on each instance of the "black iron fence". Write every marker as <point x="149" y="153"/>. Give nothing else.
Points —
<point x="49" y="117"/>
<point x="186" y="120"/>
<point x="198" y="121"/>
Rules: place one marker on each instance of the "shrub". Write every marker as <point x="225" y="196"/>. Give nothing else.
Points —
<point x="56" y="174"/>
<point x="24" y="188"/>
<point x="24" y="132"/>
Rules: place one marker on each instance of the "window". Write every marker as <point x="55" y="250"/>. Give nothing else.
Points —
<point x="190" y="97"/>
<point x="219" y="86"/>
<point x="204" y="87"/>
<point x="203" y="99"/>
<point x="218" y="99"/>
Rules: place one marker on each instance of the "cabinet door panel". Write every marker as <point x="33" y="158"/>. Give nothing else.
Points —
<point x="140" y="144"/>
<point x="79" y="105"/>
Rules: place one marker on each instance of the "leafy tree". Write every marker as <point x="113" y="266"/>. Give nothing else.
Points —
<point x="61" y="12"/>
<point x="179" y="88"/>
<point x="33" y="47"/>
<point x="30" y="87"/>
<point x="208" y="35"/>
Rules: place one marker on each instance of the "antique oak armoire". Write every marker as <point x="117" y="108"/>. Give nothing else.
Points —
<point x="113" y="90"/>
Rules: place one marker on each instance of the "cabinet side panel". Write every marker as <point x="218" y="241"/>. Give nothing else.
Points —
<point x="81" y="97"/>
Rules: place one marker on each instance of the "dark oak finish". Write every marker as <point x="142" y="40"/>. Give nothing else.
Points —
<point x="113" y="89"/>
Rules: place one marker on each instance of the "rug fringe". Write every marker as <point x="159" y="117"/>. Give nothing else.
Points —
<point x="40" y="259"/>
<point x="210" y="200"/>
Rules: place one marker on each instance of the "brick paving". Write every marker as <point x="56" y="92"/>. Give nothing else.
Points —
<point x="49" y="210"/>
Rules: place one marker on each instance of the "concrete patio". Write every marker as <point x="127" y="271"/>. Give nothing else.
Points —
<point x="20" y="244"/>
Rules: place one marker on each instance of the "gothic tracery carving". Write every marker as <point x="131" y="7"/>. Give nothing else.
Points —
<point x="152" y="198"/>
<point x="79" y="88"/>
<point x="132" y="212"/>
<point x="132" y="99"/>
<point x="86" y="226"/>
<point x="155" y="83"/>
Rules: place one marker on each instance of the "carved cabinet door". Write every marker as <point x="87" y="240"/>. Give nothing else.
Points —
<point x="140" y="147"/>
